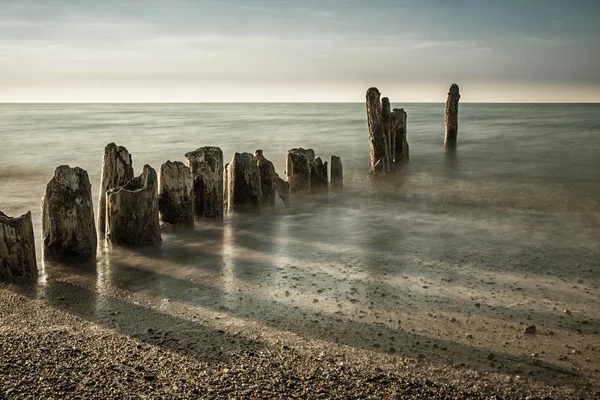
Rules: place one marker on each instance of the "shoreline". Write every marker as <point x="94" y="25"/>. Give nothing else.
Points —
<point x="353" y="313"/>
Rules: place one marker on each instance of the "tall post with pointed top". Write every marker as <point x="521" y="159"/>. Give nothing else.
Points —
<point x="376" y="135"/>
<point x="386" y="125"/>
<point x="452" y="116"/>
<point x="117" y="170"/>
<point x="399" y="135"/>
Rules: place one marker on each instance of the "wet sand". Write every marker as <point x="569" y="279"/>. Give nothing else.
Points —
<point x="340" y="299"/>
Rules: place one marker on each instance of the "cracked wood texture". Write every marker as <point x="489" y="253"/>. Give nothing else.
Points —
<point x="17" y="248"/>
<point x="452" y="116"/>
<point x="68" y="229"/>
<point x="132" y="217"/>
<point x="117" y="170"/>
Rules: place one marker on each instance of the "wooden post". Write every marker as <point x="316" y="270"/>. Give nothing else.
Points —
<point x="132" y="212"/>
<point x="17" y="248"/>
<point x="337" y="174"/>
<point x="176" y="194"/>
<point x="298" y="171"/>
<point x="207" y="169"/>
<point x="268" y="178"/>
<point x="386" y="124"/>
<point x="283" y="190"/>
<point x="452" y="116"/>
<point x="319" y="182"/>
<point x="226" y="190"/>
<point x="244" y="185"/>
<point x="280" y="187"/>
<point x="401" y="155"/>
<point x="117" y="170"/>
<point x="68" y="230"/>
<point x="376" y="135"/>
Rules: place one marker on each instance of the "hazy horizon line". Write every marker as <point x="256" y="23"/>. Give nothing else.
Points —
<point x="285" y="102"/>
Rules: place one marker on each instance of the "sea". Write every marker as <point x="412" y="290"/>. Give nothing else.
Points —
<point x="520" y="195"/>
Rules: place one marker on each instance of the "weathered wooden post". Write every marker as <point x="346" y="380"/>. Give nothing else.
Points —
<point x="452" y="116"/>
<point x="386" y="124"/>
<point x="244" y="185"/>
<point x="337" y="174"/>
<point x="17" y="248"/>
<point x="132" y="212"/>
<point x="226" y="189"/>
<point x="117" y="170"/>
<point x="401" y="155"/>
<point x="68" y="229"/>
<point x="319" y="182"/>
<point x="298" y="171"/>
<point x="268" y="178"/>
<point x="176" y="194"/>
<point x="283" y="190"/>
<point x="377" y="142"/>
<point x="207" y="169"/>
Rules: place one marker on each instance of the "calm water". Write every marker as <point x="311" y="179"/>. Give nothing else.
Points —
<point x="536" y="160"/>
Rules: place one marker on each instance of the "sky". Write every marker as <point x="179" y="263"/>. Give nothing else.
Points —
<point x="295" y="50"/>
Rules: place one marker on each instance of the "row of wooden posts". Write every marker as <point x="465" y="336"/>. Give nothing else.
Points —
<point x="131" y="209"/>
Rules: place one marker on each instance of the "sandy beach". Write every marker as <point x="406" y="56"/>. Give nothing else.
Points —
<point x="252" y="309"/>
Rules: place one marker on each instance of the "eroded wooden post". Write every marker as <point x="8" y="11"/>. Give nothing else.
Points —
<point x="298" y="171"/>
<point x="68" y="229"/>
<point x="452" y="116"/>
<point x="386" y="124"/>
<point x="207" y="169"/>
<point x="226" y="189"/>
<point x="176" y="194"/>
<point x="268" y="178"/>
<point x="337" y="174"/>
<point x="319" y="182"/>
<point x="117" y="170"/>
<point x="132" y="217"/>
<point x="376" y="134"/>
<point x="281" y="188"/>
<point x="399" y="132"/>
<point x="244" y="185"/>
<point x="17" y="248"/>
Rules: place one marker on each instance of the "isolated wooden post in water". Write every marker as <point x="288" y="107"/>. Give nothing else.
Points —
<point x="17" y="248"/>
<point x="337" y="174"/>
<point x="298" y="171"/>
<point x="68" y="230"/>
<point x="452" y="116"/>
<point x="376" y="135"/>
<point x="386" y="124"/>
<point x="132" y="212"/>
<point x="176" y="194"/>
<point x="117" y="170"/>
<point x="244" y="193"/>
<point x="399" y="133"/>
<point x="268" y="178"/>
<point x="207" y="169"/>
